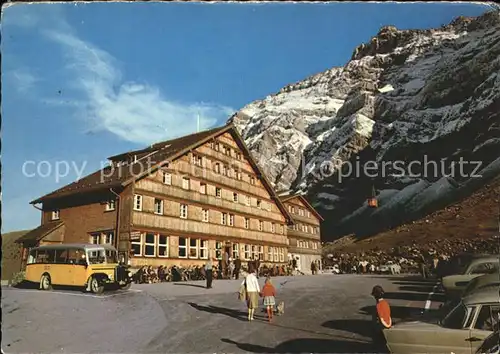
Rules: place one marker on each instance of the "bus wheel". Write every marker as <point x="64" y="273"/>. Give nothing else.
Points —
<point x="45" y="283"/>
<point x="96" y="286"/>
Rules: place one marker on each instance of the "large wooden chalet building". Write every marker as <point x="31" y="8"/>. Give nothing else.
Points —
<point x="178" y="202"/>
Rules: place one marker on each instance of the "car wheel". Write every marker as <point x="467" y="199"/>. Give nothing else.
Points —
<point x="45" y="283"/>
<point x="96" y="286"/>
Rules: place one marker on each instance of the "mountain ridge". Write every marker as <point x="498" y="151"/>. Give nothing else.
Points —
<point x="403" y="96"/>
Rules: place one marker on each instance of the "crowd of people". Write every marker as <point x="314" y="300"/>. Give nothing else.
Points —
<point x="428" y="258"/>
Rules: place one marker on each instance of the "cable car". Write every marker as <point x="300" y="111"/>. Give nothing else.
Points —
<point x="373" y="202"/>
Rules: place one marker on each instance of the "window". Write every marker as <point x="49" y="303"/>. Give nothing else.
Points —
<point x="182" y="247"/>
<point x="282" y="229"/>
<point x="236" y="251"/>
<point x="252" y="180"/>
<point x="229" y="151"/>
<point x="259" y="203"/>
<point x="162" y="246"/>
<point x="290" y="208"/>
<point x="487" y="320"/>
<point x="136" y="246"/>
<point x="276" y="254"/>
<point x="247" y="223"/>
<point x="293" y="210"/>
<point x="203" y="188"/>
<point x="197" y="160"/>
<point x="218" y="250"/>
<point x="167" y="178"/>
<point x="110" y="205"/>
<point x="308" y="214"/>
<point x="158" y="206"/>
<point x="224" y="170"/>
<point x="55" y="215"/>
<point x="205" y="215"/>
<point x="235" y="197"/>
<point x="217" y="147"/>
<point x="218" y="192"/>
<point x="217" y="167"/>
<point x="239" y="175"/>
<point x="247" y="200"/>
<point x="484" y="268"/>
<point x="150" y="245"/>
<point x="238" y="155"/>
<point x="255" y="251"/>
<point x="223" y="218"/>
<point x="193" y="247"/>
<point x="282" y="254"/>
<point x="184" y="211"/>
<point x="95" y="238"/>
<point x="261" y="225"/>
<point x="204" y="249"/>
<point x="273" y="228"/>
<point x="108" y="238"/>
<point x="247" y="252"/>
<point x="230" y="172"/>
<point x="270" y="254"/>
<point x="231" y="220"/>
<point x="261" y="253"/>
<point x="138" y="202"/>
<point x="185" y="183"/>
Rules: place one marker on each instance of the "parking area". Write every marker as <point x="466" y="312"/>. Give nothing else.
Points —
<point x="323" y="313"/>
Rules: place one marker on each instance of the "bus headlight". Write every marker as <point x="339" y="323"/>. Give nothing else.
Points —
<point x="130" y="274"/>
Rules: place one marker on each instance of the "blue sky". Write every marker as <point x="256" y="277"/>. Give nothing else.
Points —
<point x="81" y="82"/>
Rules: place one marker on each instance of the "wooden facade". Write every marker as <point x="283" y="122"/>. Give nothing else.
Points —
<point x="205" y="203"/>
<point x="305" y="234"/>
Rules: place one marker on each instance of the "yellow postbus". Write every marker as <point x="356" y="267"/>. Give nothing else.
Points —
<point x="83" y="265"/>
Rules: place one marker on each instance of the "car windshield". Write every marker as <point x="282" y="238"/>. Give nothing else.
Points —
<point x="100" y="256"/>
<point x="455" y="318"/>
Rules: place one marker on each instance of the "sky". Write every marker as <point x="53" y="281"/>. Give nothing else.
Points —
<point x="85" y="81"/>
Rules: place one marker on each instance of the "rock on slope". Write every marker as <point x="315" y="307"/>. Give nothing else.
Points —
<point x="407" y="95"/>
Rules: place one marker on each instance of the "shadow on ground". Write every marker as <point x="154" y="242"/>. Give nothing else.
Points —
<point x="414" y="296"/>
<point x="239" y="315"/>
<point x="417" y="288"/>
<point x="361" y="327"/>
<point x="306" y="345"/>
<point x="193" y="285"/>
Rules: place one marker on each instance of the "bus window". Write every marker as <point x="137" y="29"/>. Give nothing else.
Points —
<point x="76" y="256"/>
<point x="111" y="256"/>
<point x="61" y="256"/>
<point x="32" y="257"/>
<point x="44" y="256"/>
<point x="97" y="256"/>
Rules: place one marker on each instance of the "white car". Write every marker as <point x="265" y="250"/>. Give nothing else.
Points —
<point x="462" y="331"/>
<point x="335" y="269"/>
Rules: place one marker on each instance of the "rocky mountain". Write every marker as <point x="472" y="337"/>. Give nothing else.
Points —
<point x="413" y="117"/>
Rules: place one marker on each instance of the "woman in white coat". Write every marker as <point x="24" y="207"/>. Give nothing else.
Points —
<point x="252" y="292"/>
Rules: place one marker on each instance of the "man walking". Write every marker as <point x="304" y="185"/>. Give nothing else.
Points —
<point x="208" y="273"/>
<point x="237" y="267"/>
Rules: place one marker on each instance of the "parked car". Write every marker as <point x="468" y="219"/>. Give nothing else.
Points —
<point x="453" y="285"/>
<point x="332" y="269"/>
<point x="461" y="331"/>
<point x="481" y="282"/>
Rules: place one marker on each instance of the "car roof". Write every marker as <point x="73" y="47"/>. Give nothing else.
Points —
<point x="75" y="245"/>
<point x="483" y="296"/>
<point x="490" y="258"/>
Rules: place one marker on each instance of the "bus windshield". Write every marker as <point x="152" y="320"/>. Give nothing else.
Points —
<point x="100" y="256"/>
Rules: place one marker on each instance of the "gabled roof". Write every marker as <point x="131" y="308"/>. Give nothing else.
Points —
<point x="110" y="177"/>
<point x="154" y="157"/>
<point x="40" y="232"/>
<point x="287" y="196"/>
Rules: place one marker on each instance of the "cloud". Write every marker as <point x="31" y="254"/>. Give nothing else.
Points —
<point x="133" y="111"/>
<point x="22" y="79"/>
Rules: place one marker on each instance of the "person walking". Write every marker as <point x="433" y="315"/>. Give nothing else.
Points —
<point x="382" y="319"/>
<point x="252" y="292"/>
<point x="208" y="273"/>
<point x="231" y="269"/>
<point x="268" y="293"/>
<point x="237" y="267"/>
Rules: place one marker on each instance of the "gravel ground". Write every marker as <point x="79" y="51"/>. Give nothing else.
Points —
<point x="323" y="313"/>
